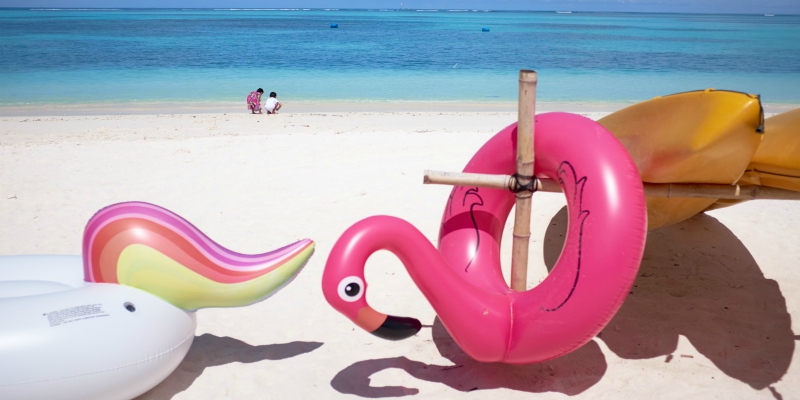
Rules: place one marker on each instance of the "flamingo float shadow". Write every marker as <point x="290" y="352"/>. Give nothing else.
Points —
<point x="698" y="280"/>
<point x="571" y="374"/>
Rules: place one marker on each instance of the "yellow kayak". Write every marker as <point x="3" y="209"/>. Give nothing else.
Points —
<point x="777" y="160"/>
<point x="707" y="136"/>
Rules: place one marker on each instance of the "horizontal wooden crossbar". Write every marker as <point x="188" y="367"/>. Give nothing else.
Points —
<point x="669" y="190"/>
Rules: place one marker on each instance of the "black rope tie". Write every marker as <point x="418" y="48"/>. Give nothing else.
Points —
<point x="760" y="128"/>
<point x="532" y="185"/>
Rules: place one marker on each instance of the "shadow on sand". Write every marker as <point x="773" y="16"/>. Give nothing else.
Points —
<point x="210" y="351"/>
<point x="696" y="279"/>
<point x="571" y="374"/>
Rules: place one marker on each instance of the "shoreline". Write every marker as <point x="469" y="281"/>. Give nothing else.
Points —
<point x="294" y="107"/>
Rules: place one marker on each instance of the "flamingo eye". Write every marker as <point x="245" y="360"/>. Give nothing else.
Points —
<point x="351" y="288"/>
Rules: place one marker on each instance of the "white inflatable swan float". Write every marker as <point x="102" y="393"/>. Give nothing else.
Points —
<point x="115" y="322"/>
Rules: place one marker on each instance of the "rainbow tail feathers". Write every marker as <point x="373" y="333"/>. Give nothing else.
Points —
<point x="150" y="248"/>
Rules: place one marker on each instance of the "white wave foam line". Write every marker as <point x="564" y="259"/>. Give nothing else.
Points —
<point x="256" y="9"/>
<point x="74" y="9"/>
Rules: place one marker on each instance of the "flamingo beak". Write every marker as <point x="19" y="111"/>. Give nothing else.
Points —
<point x="385" y="326"/>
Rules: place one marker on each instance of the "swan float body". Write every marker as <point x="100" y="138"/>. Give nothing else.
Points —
<point x="115" y="322"/>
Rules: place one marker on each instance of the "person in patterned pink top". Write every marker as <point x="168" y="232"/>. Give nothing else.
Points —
<point x="254" y="101"/>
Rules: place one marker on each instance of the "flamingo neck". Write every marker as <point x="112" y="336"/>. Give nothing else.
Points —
<point x="421" y="259"/>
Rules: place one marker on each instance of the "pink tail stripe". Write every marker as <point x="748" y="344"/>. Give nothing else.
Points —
<point x="210" y="248"/>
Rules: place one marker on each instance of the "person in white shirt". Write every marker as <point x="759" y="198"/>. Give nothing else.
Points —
<point x="272" y="105"/>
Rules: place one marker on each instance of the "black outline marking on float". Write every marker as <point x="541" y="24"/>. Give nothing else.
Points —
<point x="448" y="211"/>
<point x="581" y="214"/>
<point x="450" y="200"/>
<point x="474" y="223"/>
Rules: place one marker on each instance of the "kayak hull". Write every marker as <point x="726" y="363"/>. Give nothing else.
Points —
<point x="707" y="136"/>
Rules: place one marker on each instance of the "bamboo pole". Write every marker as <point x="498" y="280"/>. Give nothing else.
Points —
<point x="669" y="190"/>
<point x="522" y="215"/>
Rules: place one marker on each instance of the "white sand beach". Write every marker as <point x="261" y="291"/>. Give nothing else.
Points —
<point x="714" y="313"/>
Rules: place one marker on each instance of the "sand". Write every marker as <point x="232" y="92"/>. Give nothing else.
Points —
<point x="710" y="315"/>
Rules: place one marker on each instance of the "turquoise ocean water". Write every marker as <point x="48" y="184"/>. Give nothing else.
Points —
<point x="202" y="55"/>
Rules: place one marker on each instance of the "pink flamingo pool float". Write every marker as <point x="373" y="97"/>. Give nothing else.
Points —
<point x="463" y="281"/>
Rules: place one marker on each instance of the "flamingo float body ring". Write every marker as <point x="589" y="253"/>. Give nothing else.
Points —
<point x="463" y="280"/>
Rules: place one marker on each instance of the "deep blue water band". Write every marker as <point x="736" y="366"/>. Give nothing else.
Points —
<point x="67" y="56"/>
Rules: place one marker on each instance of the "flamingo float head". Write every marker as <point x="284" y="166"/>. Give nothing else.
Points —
<point x="345" y="287"/>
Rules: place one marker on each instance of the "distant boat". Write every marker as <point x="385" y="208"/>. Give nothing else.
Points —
<point x="563" y="12"/>
<point x="769" y="15"/>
